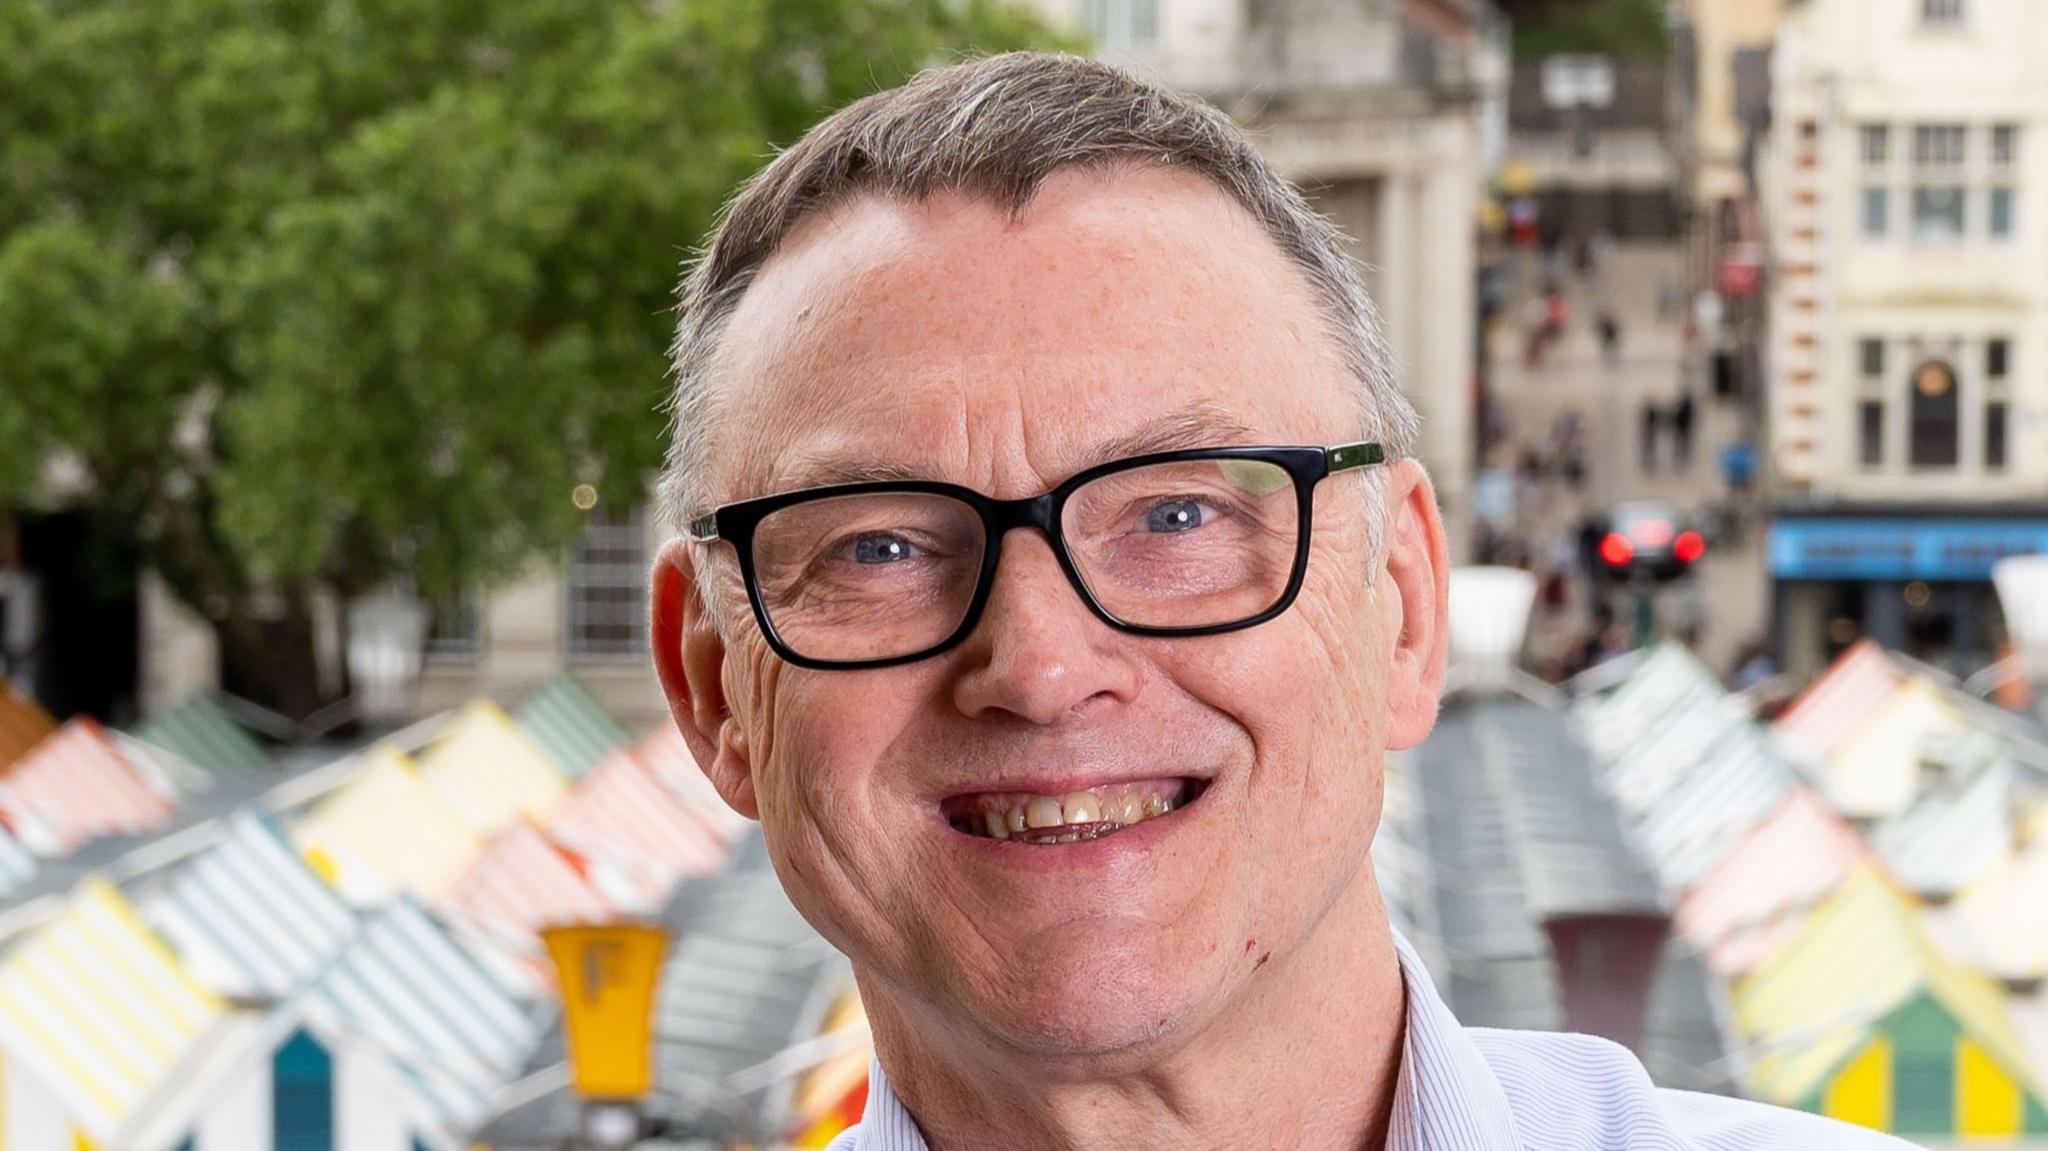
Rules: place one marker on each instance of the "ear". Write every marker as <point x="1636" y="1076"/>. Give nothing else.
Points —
<point x="689" y="656"/>
<point x="1418" y="567"/>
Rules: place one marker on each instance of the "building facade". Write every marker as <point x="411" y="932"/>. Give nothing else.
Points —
<point x="1726" y="49"/>
<point x="1718" y="33"/>
<point x="1905" y="192"/>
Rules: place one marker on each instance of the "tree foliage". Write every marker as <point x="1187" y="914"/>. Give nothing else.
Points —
<point x="321" y="291"/>
<point x="1628" y="29"/>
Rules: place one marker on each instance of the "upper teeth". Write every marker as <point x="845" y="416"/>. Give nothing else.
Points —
<point x="1113" y="806"/>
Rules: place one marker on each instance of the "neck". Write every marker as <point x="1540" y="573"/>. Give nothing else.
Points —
<point x="1307" y="1054"/>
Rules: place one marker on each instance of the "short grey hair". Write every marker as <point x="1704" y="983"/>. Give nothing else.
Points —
<point x="997" y="127"/>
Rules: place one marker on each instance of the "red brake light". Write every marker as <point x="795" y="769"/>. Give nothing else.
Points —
<point x="1616" y="550"/>
<point x="1689" y="546"/>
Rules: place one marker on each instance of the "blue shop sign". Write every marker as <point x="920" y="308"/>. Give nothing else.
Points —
<point x="1899" y="549"/>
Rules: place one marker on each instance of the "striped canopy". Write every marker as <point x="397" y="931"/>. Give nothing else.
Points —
<point x="489" y="773"/>
<point x="247" y="915"/>
<point x="100" y="1008"/>
<point x="201" y="732"/>
<point x="76" y="786"/>
<point x="565" y="722"/>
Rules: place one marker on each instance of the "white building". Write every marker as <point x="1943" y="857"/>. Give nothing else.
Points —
<point x="1906" y="198"/>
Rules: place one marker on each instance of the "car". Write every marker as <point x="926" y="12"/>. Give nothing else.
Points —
<point x="1649" y="537"/>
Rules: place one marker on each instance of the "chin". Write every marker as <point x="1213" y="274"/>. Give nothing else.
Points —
<point x="1084" y="998"/>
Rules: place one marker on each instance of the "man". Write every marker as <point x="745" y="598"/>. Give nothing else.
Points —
<point x="1056" y="574"/>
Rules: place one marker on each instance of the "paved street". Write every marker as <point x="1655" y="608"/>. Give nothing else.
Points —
<point x="1729" y="599"/>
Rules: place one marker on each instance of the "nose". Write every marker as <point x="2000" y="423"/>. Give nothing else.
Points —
<point x="1038" y="653"/>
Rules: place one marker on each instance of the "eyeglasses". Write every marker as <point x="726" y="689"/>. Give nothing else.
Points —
<point x="1184" y="543"/>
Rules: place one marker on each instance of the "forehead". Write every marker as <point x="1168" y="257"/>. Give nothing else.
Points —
<point x="950" y="338"/>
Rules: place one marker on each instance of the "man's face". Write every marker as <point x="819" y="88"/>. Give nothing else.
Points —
<point x="950" y="341"/>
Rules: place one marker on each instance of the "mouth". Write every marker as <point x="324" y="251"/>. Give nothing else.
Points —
<point x="1041" y="820"/>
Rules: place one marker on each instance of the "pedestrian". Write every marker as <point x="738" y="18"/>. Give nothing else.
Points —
<point x="1670" y="299"/>
<point x="1652" y="423"/>
<point x="1600" y="252"/>
<point x="1556" y="312"/>
<point x="1592" y="529"/>
<point x="1557" y="581"/>
<point x="1609" y="327"/>
<point x="1681" y="431"/>
<point x="1738" y="467"/>
<point x="1535" y="335"/>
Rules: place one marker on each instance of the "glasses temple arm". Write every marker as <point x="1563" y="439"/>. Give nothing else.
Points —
<point x="1345" y="457"/>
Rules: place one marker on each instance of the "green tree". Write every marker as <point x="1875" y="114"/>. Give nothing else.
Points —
<point x="321" y="292"/>
<point x="1628" y="29"/>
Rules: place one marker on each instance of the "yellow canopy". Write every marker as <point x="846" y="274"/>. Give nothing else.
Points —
<point x="385" y="831"/>
<point x="1859" y="956"/>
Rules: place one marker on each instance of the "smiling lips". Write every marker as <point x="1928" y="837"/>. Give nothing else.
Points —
<point x="1024" y="817"/>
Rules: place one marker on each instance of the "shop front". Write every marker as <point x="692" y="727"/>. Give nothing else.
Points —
<point x="1915" y="582"/>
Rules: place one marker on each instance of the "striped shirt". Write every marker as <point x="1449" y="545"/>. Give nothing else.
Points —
<point x="1475" y="1089"/>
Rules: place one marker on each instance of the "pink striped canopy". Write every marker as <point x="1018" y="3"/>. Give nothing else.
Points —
<point x="1752" y="902"/>
<point x="1833" y="707"/>
<point x="76" y="786"/>
<point x="522" y="882"/>
<point x="622" y="812"/>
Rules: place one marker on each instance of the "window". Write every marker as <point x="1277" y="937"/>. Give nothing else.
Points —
<point x="1997" y="409"/>
<point x="1870" y="434"/>
<point x="1994" y="435"/>
<point x="1876" y="212"/>
<point x="608" y="584"/>
<point x="1998" y="214"/>
<point x="1938" y="213"/>
<point x="1939" y="145"/>
<point x="2004" y="145"/>
<point x="1941" y="13"/>
<point x="1121" y="23"/>
<point x="1870" y="409"/>
<point x="1877" y="144"/>
<point x="455" y="628"/>
<point x="1936" y="416"/>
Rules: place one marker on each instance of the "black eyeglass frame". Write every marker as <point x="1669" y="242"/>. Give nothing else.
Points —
<point x="735" y="524"/>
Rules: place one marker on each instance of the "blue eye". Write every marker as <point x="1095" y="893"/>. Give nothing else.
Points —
<point x="882" y="549"/>
<point x="1174" y="516"/>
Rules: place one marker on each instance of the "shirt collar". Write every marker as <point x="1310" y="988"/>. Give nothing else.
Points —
<point x="1446" y="1098"/>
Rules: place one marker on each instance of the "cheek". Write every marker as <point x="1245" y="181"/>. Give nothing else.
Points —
<point x="1308" y="689"/>
<point x="823" y="745"/>
<point x="820" y="757"/>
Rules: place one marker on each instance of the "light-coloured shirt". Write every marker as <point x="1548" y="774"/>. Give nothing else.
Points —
<point x="1476" y="1089"/>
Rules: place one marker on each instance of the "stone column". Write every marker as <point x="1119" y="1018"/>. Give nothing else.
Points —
<point x="1443" y="313"/>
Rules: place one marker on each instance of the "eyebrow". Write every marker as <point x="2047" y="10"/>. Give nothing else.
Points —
<point x="1196" y="425"/>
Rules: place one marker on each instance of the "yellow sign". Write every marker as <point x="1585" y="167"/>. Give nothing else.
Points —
<point x="608" y="976"/>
